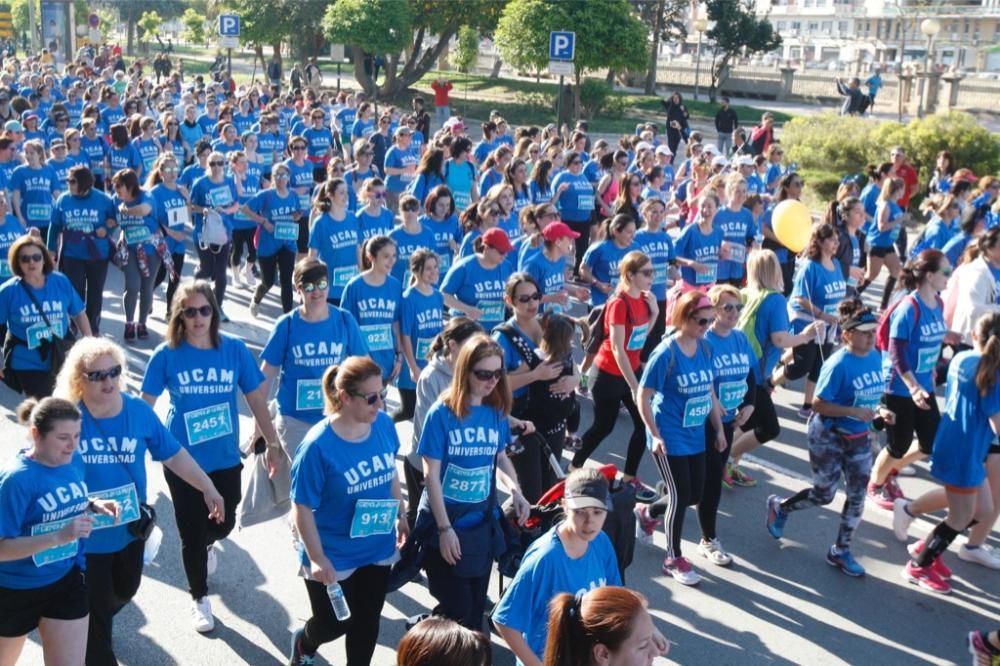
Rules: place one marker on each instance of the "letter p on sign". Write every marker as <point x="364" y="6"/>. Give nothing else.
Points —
<point x="562" y="45"/>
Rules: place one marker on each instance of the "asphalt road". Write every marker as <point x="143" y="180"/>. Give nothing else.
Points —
<point x="779" y="603"/>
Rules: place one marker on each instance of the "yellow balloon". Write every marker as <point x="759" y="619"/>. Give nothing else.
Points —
<point x="792" y="224"/>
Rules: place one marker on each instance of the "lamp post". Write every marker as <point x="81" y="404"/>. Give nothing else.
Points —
<point x="700" y="25"/>
<point x="929" y="27"/>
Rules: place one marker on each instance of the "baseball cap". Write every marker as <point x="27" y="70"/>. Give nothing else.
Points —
<point x="402" y="129"/>
<point x="553" y="231"/>
<point x="863" y="320"/>
<point x="454" y="123"/>
<point x="28" y="115"/>
<point x="587" y="492"/>
<point x="57" y="143"/>
<point x="13" y="126"/>
<point x="711" y="148"/>
<point x="643" y="145"/>
<point x="497" y="239"/>
<point x="744" y="160"/>
<point x="719" y="160"/>
<point x="663" y="150"/>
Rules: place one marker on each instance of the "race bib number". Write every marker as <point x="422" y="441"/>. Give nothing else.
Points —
<point x="696" y="410"/>
<point x="341" y="276"/>
<point x="731" y="394"/>
<point x="373" y="517"/>
<point x="39" y="212"/>
<point x="128" y="505"/>
<point x="57" y="553"/>
<point x="492" y="310"/>
<point x="852" y="281"/>
<point x="423" y="350"/>
<point x="867" y="401"/>
<point x="305" y="201"/>
<point x="585" y="202"/>
<point x="660" y="274"/>
<point x="208" y="423"/>
<point x="138" y="233"/>
<point x="5" y="271"/>
<point x="80" y="225"/>
<point x="220" y="196"/>
<point x="927" y="359"/>
<point x="707" y="277"/>
<point x="286" y="231"/>
<point x="462" y="200"/>
<point x="378" y="336"/>
<point x="637" y="340"/>
<point x="831" y="308"/>
<point x="36" y="333"/>
<point x="178" y="217"/>
<point x="468" y="486"/>
<point x="737" y="252"/>
<point x="445" y="257"/>
<point x="308" y="395"/>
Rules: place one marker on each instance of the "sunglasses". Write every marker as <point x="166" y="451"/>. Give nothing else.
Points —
<point x="378" y="195"/>
<point x="575" y="162"/>
<point x="487" y="375"/>
<point x="71" y="181"/>
<point x="216" y="164"/>
<point x="30" y="258"/>
<point x="411" y="208"/>
<point x="281" y="176"/>
<point x="96" y="376"/>
<point x="310" y="287"/>
<point x="527" y="298"/>
<point x="298" y="147"/>
<point x="372" y="398"/>
<point x="732" y="307"/>
<point x="365" y="153"/>
<point x="169" y="170"/>
<point x="945" y="271"/>
<point x="703" y="321"/>
<point x="493" y="212"/>
<point x="646" y="272"/>
<point x="191" y="313"/>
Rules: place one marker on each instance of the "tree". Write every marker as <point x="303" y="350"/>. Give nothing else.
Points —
<point x="271" y="22"/>
<point x="130" y="11"/>
<point x="19" y="14"/>
<point x="467" y="53"/>
<point x="409" y="34"/>
<point x="149" y="23"/>
<point x="194" y="24"/>
<point x="668" y="18"/>
<point x="737" y="30"/>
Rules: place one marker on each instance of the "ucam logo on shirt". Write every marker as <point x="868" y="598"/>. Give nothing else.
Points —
<point x="316" y="354"/>
<point x="201" y="380"/>
<point x="100" y="450"/>
<point x="366" y="474"/>
<point x="473" y="441"/>
<point x="60" y="497"/>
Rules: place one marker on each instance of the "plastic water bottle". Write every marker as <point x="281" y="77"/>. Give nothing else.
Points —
<point x="339" y="603"/>
<point x="152" y="545"/>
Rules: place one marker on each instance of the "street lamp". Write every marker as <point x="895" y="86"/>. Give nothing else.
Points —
<point x="700" y="25"/>
<point x="930" y="27"/>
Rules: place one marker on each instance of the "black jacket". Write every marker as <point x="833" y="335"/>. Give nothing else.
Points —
<point x="726" y="120"/>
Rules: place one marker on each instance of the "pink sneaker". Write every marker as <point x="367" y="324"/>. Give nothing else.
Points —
<point x="926" y="578"/>
<point x="892" y="488"/>
<point x="645" y="525"/>
<point x="938" y="565"/>
<point x="880" y="496"/>
<point x="681" y="570"/>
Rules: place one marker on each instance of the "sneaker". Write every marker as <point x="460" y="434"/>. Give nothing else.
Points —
<point x="984" y="555"/>
<point x="909" y="470"/>
<point x="414" y="620"/>
<point x="805" y="412"/>
<point x="201" y="614"/>
<point x="982" y="651"/>
<point x="254" y="309"/>
<point x="583" y="389"/>
<point x="940" y="568"/>
<point x="844" y="560"/>
<point x="880" y="496"/>
<point x="645" y="525"/>
<point x="741" y="478"/>
<point x="713" y="551"/>
<point x="141" y="331"/>
<point x="237" y="279"/>
<point x="212" y="562"/>
<point x="681" y="571"/>
<point x="297" y="656"/>
<point x="643" y="493"/>
<point x="901" y="519"/>
<point x="893" y="489"/>
<point x="573" y="443"/>
<point x="776" y="518"/>
<point x="727" y="479"/>
<point x="926" y="578"/>
<point x="129" y="332"/>
<point x="248" y="276"/>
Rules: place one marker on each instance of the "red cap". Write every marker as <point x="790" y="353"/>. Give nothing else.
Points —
<point x="555" y="230"/>
<point x="497" y="239"/>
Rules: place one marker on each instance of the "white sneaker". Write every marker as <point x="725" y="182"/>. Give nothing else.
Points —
<point x="237" y="280"/>
<point x="901" y="519"/>
<point x="714" y="552"/>
<point x="248" y="278"/>
<point x="909" y="470"/>
<point x="681" y="571"/>
<point x="985" y="555"/>
<point x="254" y="308"/>
<point x="212" y="562"/>
<point x="644" y="525"/>
<point x="201" y="615"/>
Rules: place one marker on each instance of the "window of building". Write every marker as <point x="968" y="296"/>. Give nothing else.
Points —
<point x="813" y="27"/>
<point x="842" y="28"/>
<point x="780" y="26"/>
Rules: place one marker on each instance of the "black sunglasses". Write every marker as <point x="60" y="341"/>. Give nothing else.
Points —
<point x="310" y="287"/>
<point x="487" y="375"/>
<point x="703" y="321"/>
<point x="96" y="376"/>
<point x="646" y="272"/>
<point x="528" y="298"/>
<point x="30" y="258"/>
<point x="372" y="398"/>
<point x="216" y="164"/>
<point x="204" y="311"/>
<point x="730" y="307"/>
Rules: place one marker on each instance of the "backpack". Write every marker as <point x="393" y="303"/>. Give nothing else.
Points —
<point x="748" y="323"/>
<point x="885" y="323"/>
<point x="595" y="319"/>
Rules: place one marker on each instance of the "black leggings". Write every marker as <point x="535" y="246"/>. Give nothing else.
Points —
<point x="173" y="280"/>
<point x="715" y="464"/>
<point x="414" y="478"/>
<point x="609" y="391"/>
<point x="460" y="599"/>
<point x="283" y="262"/>
<point x="807" y="361"/>
<point x="112" y="580"/>
<point x="241" y="238"/>
<point x="764" y="420"/>
<point x="364" y="592"/>
<point x="196" y="529"/>
<point x="582" y="241"/>
<point x="910" y="419"/>
<point x="684" y="477"/>
<point x="36" y="383"/>
<point x="88" y="278"/>
<point x="212" y="266"/>
<point x="407" y="403"/>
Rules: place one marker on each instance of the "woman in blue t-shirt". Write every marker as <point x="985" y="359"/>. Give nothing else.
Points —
<point x="136" y="215"/>
<point x="848" y="399"/>
<point x="374" y="219"/>
<point x="410" y="235"/>
<point x="463" y="444"/>
<point x="214" y="201"/>
<point x="202" y="370"/>
<point x="676" y="399"/>
<point x="45" y="512"/>
<point x="474" y="286"/>
<point x="574" y="195"/>
<point x="173" y="215"/>
<point x="421" y="319"/>
<point x="884" y="230"/>
<point x="33" y="187"/>
<point x="460" y="174"/>
<point x="440" y="217"/>
<point x="699" y="247"/>
<point x="373" y="297"/>
<point x="600" y="263"/>
<point x="334" y="237"/>
<point x="916" y="332"/>
<point x="348" y="511"/>
<point x="654" y="241"/>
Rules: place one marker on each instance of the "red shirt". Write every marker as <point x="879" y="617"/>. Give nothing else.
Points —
<point x="441" y="92"/>
<point x="912" y="180"/>
<point x="635" y="320"/>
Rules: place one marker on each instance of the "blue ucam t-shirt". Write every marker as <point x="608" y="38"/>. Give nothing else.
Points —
<point x="964" y="434"/>
<point x="149" y="150"/>
<point x="576" y="203"/>
<point x="512" y="227"/>
<point x="348" y="487"/>
<point x="732" y="358"/>
<point x="547" y="570"/>
<point x="318" y="141"/>
<point x="251" y="186"/>
<point x="202" y="384"/>
<point x="824" y="288"/>
<point x="354" y="180"/>
<point x="345" y="119"/>
<point x="602" y="259"/>
<point x="851" y="381"/>
<point x="400" y="158"/>
<point x="96" y="150"/>
<point x="10" y="230"/>
<point x="125" y="158"/>
<point x="171" y="212"/>
<point x="659" y="247"/>
<point x="207" y="194"/>
<point x="301" y="181"/>
<point x="58" y="300"/>
<point x="512" y="359"/>
<point x="336" y="242"/>
<point x="936" y="235"/>
<point x="113" y="460"/>
<point x="138" y="229"/>
<point x="869" y="198"/>
<point x="38" y="499"/>
<point x="406" y="245"/>
<point x="923" y="329"/>
<point x="281" y="211"/>
<point x="77" y="218"/>
<point x="550" y="275"/>
<point x="884" y="239"/>
<point x="738" y="230"/>
<point x="467" y="449"/>
<point x="479" y="287"/>
<point x="270" y="147"/>
<point x="703" y="248"/>
<point x="772" y="317"/>
<point x="375" y="225"/>
<point x="37" y="187"/>
<point x="445" y="232"/>
<point x="303" y="350"/>
<point x="421" y="318"/>
<point x="376" y="308"/>
<point x="683" y="395"/>
<point x="954" y="248"/>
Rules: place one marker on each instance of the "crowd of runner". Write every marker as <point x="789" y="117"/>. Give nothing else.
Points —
<point x="451" y="268"/>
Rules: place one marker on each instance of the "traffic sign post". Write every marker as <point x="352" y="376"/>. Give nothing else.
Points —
<point x="562" y="53"/>
<point x="337" y="55"/>
<point x="229" y="38"/>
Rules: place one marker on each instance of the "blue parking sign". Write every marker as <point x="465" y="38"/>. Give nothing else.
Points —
<point x="229" y="25"/>
<point x="562" y="45"/>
